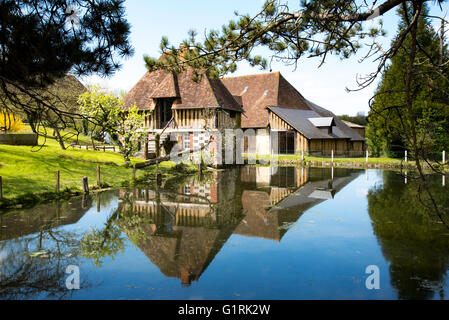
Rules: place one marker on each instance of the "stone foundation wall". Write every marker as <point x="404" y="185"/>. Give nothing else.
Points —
<point x="19" y="139"/>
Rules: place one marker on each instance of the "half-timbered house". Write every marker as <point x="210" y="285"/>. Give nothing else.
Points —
<point x="278" y="119"/>
<point x="275" y="117"/>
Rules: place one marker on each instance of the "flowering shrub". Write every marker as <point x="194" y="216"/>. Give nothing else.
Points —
<point x="11" y="122"/>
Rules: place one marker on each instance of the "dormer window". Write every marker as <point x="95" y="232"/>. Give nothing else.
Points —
<point x="323" y="123"/>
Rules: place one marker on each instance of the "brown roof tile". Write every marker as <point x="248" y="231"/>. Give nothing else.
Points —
<point x="206" y="93"/>
<point x="168" y="88"/>
<point x="140" y="94"/>
<point x="260" y="91"/>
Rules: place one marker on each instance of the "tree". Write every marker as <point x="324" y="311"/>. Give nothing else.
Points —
<point x="320" y="28"/>
<point x="62" y="95"/>
<point x="108" y="116"/>
<point x="317" y="29"/>
<point x="410" y="236"/>
<point x="389" y="128"/>
<point x="43" y="40"/>
<point x="359" y="118"/>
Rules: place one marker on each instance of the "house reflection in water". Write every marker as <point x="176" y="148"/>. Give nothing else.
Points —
<point x="190" y="225"/>
<point x="275" y="198"/>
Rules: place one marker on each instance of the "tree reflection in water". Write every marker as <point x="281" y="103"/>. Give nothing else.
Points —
<point x="35" y="251"/>
<point x="412" y="236"/>
<point x="182" y="226"/>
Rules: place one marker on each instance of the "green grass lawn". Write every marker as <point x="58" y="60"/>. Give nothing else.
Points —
<point x="28" y="170"/>
<point x="296" y="157"/>
<point x="68" y="136"/>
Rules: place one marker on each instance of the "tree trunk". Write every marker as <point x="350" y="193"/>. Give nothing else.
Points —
<point x="59" y="138"/>
<point x="93" y="142"/>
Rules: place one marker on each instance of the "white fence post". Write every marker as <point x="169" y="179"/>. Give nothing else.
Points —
<point x="406" y="156"/>
<point x="444" y="156"/>
<point x="366" y="156"/>
<point x="332" y="156"/>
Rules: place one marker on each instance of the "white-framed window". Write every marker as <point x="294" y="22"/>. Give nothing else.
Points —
<point x="186" y="141"/>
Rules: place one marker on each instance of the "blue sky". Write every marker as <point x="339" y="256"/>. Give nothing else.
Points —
<point x="150" y="20"/>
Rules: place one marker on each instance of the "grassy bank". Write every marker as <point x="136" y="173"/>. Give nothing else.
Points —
<point x="29" y="174"/>
<point x="380" y="163"/>
<point x="298" y="158"/>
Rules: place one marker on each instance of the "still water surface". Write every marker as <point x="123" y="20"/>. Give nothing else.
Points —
<point x="246" y="233"/>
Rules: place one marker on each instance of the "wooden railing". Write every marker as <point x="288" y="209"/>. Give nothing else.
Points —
<point x="95" y="148"/>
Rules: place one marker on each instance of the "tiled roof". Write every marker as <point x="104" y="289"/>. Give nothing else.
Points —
<point x="187" y="94"/>
<point x="300" y="120"/>
<point x="253" y="93"/>
<point x="341" y="126"/>
<point x="260" y="91"/>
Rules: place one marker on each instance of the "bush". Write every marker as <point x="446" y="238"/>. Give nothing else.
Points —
<point x="10" y="122"/>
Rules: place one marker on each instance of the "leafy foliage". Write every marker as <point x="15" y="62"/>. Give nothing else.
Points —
<point x="360" y="118"/>
<point x="10" y="123"/>
<point x="315" y="28"/>
<point x="41" y="41"/>
<point x="406" y="227"/>
<point x="390" y="126"/>
<point x="106" y="112"/>
<point x="98" y="244"/>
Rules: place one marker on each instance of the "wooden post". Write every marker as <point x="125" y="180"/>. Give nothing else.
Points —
<point x="104" y="148"/>
<point x="302" y="154"/>
<point x="57" y="181"/>
<point x="1" y="189"/>
<point x="99" y="202"/>
<point x="146" y="150"/>
<point x="85" y="185"/>
<point x="444" y="180"/>
<point x="367" y="156"/>
<point x="332" y="153"/>
<point x="134" y="172"/>
<point x="98" y="176"/>
<point x="158" y="175"/>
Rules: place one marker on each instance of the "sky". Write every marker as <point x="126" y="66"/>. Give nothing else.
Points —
<point x="325" y="86"/>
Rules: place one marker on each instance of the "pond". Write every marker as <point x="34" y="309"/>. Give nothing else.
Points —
<point x="243" y="233"/>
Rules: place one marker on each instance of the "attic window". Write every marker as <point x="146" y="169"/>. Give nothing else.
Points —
<point x="322" y="122"/>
